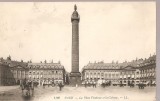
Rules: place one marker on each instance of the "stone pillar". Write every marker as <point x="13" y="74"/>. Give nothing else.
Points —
<point x="75" y="75"/>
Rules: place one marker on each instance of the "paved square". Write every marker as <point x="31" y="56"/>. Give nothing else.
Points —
<point x="81" y="94"/>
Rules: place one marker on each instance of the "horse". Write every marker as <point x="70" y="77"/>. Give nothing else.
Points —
<point x="131" y="85"/>
<point x="103" y="85"/>
<point x="27" y="88"/>
<point x="141" y="85"/>
<point x="106" y="84"/>
<point x="121" y="85"/>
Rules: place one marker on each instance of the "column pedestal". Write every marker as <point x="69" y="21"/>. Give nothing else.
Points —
<point x="75" y="78"/>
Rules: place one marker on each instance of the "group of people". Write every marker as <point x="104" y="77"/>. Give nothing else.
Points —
<point x="141" y="85"/>
<point x="27" y="87"/>
<point x="88" y="84"/>
<point x="94" y="84"/>
<point x="106" y="84"/>
<point x="59" y="84"/>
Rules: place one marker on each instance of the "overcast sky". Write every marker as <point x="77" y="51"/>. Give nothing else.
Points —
<point x="107" y="31"/>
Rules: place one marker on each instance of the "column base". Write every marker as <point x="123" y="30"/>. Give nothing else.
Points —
<point x="75" y="79"/>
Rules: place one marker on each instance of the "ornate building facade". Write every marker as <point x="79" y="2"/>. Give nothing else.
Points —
<point x="14" y="72"/>
<point x="101" y="71"/>
<point x="139" y="70"/>
<point x="46" y="73"/>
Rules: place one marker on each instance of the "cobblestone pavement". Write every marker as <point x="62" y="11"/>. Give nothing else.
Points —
<point x="14" y="93"/>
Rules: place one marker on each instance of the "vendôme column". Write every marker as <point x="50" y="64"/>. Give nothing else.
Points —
<point x="75" y="76"/>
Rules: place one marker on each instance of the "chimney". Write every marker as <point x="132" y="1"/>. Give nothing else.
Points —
<point x="45" y="61"/>
<point x="59" y="62"/>
<point x="9" y="57"/>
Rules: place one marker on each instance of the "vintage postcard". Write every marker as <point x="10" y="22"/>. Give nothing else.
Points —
<point x="78" y="51"/>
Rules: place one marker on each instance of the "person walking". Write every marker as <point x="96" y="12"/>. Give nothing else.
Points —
<point x="94" y="84"/>
<point x="85" y="84"/>
<point x="60" y="86"/>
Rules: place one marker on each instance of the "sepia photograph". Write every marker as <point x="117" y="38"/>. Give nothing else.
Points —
<point x="78" y="51"/>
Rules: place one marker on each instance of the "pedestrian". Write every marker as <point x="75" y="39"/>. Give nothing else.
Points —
<point x="85" y="84"/>
<point x="60" y="86"/>
<point x="94" y="84"/>
<point x="43" y="85"/>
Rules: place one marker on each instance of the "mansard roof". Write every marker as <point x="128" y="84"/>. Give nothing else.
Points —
<point x="102" y="66"/>
<point x="45" y="66"/>
<point x="138" y="63"/>
<point x="12" y="63"/>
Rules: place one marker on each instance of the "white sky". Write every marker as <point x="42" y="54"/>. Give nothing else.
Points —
<point x="108" y="31"/>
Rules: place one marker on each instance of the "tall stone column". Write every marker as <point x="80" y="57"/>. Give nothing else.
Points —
<point x="75" y="76"/>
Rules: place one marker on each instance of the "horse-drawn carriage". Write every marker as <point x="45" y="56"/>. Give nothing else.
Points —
<point x="106" y="84"/>
<point x="141" y="85"/>
<point x="27" y="88"/>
